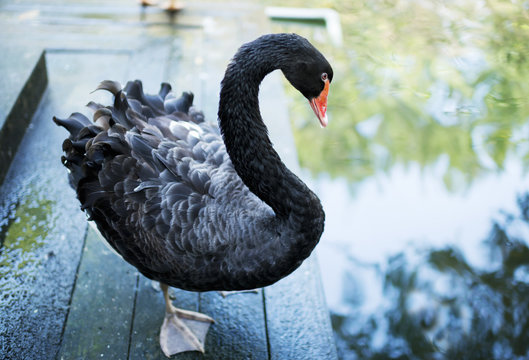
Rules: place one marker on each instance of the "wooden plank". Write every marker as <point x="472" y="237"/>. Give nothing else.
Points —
<point x="148" y="318"/>
<point x="139" y="65"/>
<point x="40" y="261"/>
<point x="196" y="64"/>
<point x="297" y="317"/>
<point x="29" y="87"/>
<point x="22" y="63"/>
<point x="306" y="299"/>
<point x="142" y="67"/>
<point x="99" y="321"/>
<point x="150" y="307"/>
<point x="239" y="330"/>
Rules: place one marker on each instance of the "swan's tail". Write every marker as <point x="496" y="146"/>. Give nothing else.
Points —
<point x="133" y="111"/>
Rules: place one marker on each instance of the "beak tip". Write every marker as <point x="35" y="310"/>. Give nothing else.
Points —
<point x="319" y="105"/>
<point x="324" y="121"/>
<point x="320" y="111"/>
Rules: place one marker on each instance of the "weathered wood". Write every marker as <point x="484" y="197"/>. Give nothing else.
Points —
<point x="100" y="316"/>
<point x="150" y="307"/>
<point x="191" y="54"/>
<point x="38" y="259"/>
<point x="148" y="317"/>
<point x="239" y="331"/>
<point x="298" y="321"/>
<point x="29" y="71"/>
<point x="297" y="318"/>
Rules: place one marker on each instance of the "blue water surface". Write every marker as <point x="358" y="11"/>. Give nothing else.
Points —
<point x="422" y="172"/>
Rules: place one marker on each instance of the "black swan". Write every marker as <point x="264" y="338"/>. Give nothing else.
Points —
<point x="191" y="206"/>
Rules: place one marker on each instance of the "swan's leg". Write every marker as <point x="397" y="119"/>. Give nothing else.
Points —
<point x="172" y="6"/>
<point x="225" y="294"/>
<point x="147" y="3"/>
<point x="182" y="330"/>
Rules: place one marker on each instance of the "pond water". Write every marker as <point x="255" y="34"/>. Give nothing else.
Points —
<point x="422" y="172"/>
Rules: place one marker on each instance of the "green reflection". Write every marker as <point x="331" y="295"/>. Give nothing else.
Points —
<point x="442" y="307"/>
<point x="417" y="82"/>
<point x="441" y="84"/>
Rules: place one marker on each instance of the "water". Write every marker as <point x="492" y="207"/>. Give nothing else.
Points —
<point x="422" y="172"/>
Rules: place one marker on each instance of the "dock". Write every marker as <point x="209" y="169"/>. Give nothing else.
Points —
<point x="63" y="293"/>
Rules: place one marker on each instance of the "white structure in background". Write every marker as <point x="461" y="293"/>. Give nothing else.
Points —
<point x="329" y="16"/>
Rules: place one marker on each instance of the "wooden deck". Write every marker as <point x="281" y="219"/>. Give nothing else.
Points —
<point x="63" y="293"/>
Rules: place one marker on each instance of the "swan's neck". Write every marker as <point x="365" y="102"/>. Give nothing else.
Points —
<point x="250" y="148"/>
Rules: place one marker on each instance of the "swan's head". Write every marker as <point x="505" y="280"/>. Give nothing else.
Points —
<point x="301" y="63"/>
<point x="311" y="74"/>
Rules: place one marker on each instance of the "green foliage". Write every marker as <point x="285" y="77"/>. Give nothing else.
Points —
<point x="443" y="79"/>
<point x="422" y="82"/>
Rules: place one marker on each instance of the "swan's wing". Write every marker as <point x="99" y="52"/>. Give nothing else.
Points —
<point x="156" y="178"/>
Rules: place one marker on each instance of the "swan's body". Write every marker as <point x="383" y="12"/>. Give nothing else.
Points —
<point x="185" y="207"/>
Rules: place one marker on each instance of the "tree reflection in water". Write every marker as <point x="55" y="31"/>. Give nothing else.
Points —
<point x="417" y="81"/>
<point x="442" y="307"/>
<point x="442" y="86"/>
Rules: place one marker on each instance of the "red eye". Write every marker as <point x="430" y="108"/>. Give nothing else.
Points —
<point x="324" y="76"/>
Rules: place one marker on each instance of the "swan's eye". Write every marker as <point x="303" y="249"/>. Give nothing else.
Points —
<point x="324" y="76"/>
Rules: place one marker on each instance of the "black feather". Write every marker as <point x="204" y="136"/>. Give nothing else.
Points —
<point x="158" y="182"/>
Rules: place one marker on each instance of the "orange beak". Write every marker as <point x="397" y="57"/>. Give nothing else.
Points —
<point x="319" y="105"/>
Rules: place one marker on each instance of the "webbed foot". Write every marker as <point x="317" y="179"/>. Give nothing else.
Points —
<point x="225" y="294"/>
<point x="182" y="330"/>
